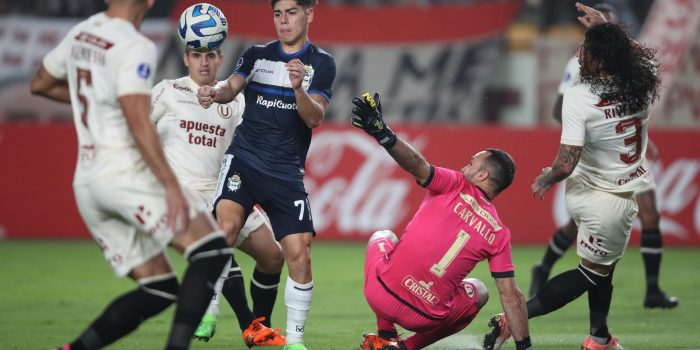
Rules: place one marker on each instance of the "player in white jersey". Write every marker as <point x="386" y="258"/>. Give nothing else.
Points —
<point x="127" y="194"/>
<point x="651" y="241"/>
<point x="601" y="154"/>
<point x="194" y="141"/>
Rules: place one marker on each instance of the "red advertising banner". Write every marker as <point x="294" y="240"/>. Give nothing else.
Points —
<point x="355" y="187"/>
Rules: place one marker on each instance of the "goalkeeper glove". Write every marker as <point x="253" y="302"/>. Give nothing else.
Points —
<point x="368" y="111"/>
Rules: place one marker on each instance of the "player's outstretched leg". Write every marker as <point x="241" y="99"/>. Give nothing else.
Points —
<point x="558" y="244"/>
<point x="126" y="312"/>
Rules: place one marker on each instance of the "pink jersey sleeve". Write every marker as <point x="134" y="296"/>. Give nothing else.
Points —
<point x="501" y="264"/>
<point x="444" y="180"/>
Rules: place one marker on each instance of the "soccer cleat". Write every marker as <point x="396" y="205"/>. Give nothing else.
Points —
<point x="257" y="334"/>
<point x="206" y="328"/>
<point x="295" y="346"/>
<point x="371" y="341"/>
<point x="499" y="333"/>
<point x="660" y="300"/>
<point x="590" y="344"/>
<point x="539" y="277"/>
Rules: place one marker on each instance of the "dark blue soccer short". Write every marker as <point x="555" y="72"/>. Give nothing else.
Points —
<point x="286" y="203"/>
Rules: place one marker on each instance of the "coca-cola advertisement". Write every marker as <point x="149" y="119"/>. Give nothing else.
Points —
<point x="355" y="187"/>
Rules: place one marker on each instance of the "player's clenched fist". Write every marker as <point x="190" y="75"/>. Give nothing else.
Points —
<point x="205" y="95"/>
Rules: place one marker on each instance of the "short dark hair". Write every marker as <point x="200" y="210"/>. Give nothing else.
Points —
<point x="501" y="168"/>
<point x="303" y="3"/>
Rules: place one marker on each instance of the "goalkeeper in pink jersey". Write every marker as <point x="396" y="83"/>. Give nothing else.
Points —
<point x="419" y="282"/>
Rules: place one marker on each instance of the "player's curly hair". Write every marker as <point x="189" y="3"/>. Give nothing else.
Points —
<point x="618" y="68"/>
<point x="303" y="3"/>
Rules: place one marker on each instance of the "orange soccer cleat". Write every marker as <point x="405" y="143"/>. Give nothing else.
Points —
<point x="372" y="341"/>
<point x="499" y="333"/>
<point x="257" y="334"/>
<point x="590" y="344"/>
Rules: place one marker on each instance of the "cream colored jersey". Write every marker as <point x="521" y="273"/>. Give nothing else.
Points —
<point x="194" y="138"/>
<point x="571" y="75"/>
<point x="103" y="58"/>
<point x="614" y="142"/>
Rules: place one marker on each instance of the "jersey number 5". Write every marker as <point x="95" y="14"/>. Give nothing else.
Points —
<point x="635" y="139"/>
<point x="85" y="76"/>
<point x="459" y="243"/>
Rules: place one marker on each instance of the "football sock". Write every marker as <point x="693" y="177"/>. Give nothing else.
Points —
<point x="561" y="290"/>
<point x="207" y="257"/>
<point x="599" y="299"/>
<point x="127" y="312"/>
<point x="558" y="245"/>
<point x="297" y="297"/>
<point x="388" y="334"/>
<point x="263" y="291"/>
<point x="234" y="291"/>
<point x="213" y="308"/>
<point x="651" y="248"/>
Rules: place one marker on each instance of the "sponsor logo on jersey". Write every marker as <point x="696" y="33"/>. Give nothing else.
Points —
<point x="182" y="88"/>
<point x="593" y="246"/>
<point x="143" y="71"/>
<point x="234" y="182"/>
<point x="264" y="71"/>
<point x="224" y="111"/>
<point x="421" y="289"/>
<point x="276" y="103"/>
<point x="635" y="174"/>
<point x="94" y="40"/>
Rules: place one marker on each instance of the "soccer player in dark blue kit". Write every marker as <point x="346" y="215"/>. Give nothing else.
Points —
<point x="288" y="84"/>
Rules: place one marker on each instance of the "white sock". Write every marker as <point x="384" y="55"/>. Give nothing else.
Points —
<point x="297" y="297"/>
<point x="213" y="308"/>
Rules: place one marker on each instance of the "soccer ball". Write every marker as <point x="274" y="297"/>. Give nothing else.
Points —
<point x="202" y="27"/>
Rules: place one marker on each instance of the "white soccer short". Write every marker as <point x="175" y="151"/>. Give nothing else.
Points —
<point x="255" y="219"/>
<point x="604" y="221"/>
<point x="126" y="215"/>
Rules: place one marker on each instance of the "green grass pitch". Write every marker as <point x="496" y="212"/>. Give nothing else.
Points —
<point x="51" y="290"/>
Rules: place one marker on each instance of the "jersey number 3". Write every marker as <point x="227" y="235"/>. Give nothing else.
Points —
<point x="635" y="139"/>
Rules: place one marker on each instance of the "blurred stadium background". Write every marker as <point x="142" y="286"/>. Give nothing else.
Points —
<point x="456" y="76"/>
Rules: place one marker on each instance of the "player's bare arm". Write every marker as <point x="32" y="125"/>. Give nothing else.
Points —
<point x="311" y="108"/>
<point x="410" y="160"/>
<point x="556" y="112"/>
<point x="46" y="85"/>
<point x="515" y="307"/>
<point x="223" y="92"/>
<point x="136" y="108"/>
<point x="563" y="166"/>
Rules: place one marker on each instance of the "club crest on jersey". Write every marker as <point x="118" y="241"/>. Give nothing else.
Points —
<point x="144" y="71"/>
<point x="421" y="289"/>
<point x="308" y="77"/>
<point x="224" y="111"/>
<point x="469" y="289"/>
<point x="234" y="183"/>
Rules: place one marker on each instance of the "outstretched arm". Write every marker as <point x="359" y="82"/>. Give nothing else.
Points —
<point x="515" y="307"/>
<point x="368" y="111"/>
<point x="224" y="92"/>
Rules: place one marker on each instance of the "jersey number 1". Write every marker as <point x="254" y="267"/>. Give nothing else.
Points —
<point x="459" y="243"/>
